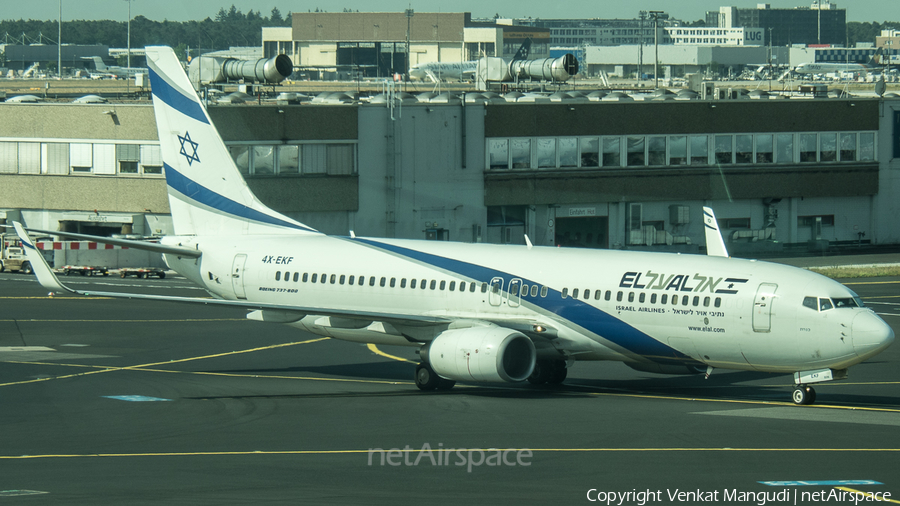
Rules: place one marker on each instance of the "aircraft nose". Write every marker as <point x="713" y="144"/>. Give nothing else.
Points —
<point x="871" y="334"/>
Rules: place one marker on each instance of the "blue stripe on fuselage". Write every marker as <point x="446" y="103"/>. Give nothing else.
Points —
<point x="202" y="195"/>
<point x="573" y="310"/>
<point x="175" y="99"/>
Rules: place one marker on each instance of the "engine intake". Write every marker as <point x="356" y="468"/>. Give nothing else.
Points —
<point x="493" y="354"/>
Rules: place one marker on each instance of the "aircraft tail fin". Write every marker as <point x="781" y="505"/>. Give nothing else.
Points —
<point x="207" y="194"/>
<point x="875" y="60"/>
<point x="715" y="246"/>
<point x="524" y="50"/>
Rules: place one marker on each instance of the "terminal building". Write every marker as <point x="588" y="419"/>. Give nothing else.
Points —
<point x="374" y="44"/>
<point x="598" y="170"/>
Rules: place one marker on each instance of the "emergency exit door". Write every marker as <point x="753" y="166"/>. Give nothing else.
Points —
<point x="763" y="307"/>
<point x="237" y="276"/>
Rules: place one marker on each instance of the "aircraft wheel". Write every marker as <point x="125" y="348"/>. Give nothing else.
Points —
<point x="445" y="384"/>
<point x="804" y="395"/>
<point x="559" y="373"/>
<point x="426" y="378"/>
<point x="541" y="373"/>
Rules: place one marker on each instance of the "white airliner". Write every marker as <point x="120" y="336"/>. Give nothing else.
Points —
<point x="482" y="312"/>
<point x="824" y="68"/>
<point x="113" y="72"/>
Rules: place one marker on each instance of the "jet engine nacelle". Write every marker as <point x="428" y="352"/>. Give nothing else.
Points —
<point x="547" y="69"/>
<point x="211" y="69"/>
<point x="492" y="354"/>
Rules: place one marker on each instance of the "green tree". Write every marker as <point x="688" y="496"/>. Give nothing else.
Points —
<point x="275" y="18"/>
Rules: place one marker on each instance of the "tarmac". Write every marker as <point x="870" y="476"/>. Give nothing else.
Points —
<point x="114" y="401"/>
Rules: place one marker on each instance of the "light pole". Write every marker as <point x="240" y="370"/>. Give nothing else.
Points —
<point x="129" y="33"/>
<point x="59" y="45"/>
<point x="409" y="15"/>
<point x="655" y="15"/>
<point x="642" y="15"/>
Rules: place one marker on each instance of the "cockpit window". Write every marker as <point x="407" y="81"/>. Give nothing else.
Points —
<point x="824" y="304"/>
<point x="811" y="302"/>
<point x="845" y="302"/>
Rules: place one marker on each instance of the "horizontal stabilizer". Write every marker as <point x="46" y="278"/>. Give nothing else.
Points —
<point x="41" y="268"/>
<point x="127" y="243"/>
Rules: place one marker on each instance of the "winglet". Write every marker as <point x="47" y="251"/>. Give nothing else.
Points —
<point x="41" y="268"/>
<point x="715" y="246"/>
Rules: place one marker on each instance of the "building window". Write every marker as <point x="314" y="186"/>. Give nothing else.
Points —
<point x="656" y="150"/>
<point x="784" y="145"/>
<point x="57" y="159"/>
<point x="764" y="149"/>
<point x="288" y="159"/>
<point x="896" y="134"/>
<point x="546" y="153"/>
<point x="590" y="156"/>
<point x="743" y="149"/>
<point x="521" y="153"/>
<point x="828" y="147"/>
<point x="723" y="149"/>
<point x="635" y="151"/>
<point x="568" y="152"/>
<point x="81" y="157"/>
<point x="127" y="157"/>
<point x="848" y="147"/>
<point x="151" y="159"/>
<point x="808" y="148"/>
<point x="498" y="150"/>
<point x="867" y="146"/>
<point x="612" y="153"/>
<point x="677" y="150"/>
<point x="699" y="150"/>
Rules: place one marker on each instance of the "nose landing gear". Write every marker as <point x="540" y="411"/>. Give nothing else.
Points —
<point x="804" y="395"/>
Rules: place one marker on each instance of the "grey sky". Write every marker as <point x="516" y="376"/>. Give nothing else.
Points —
<point x="183" y="10"/>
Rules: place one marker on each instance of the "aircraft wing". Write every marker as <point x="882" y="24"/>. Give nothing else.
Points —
<point x="48" y="280"/>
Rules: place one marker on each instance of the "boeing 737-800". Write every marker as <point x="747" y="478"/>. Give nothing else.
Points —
<point x="483" y="312"/>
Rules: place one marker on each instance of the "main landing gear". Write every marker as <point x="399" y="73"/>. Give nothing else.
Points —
<point x="427" y="379"/>
<point x="804" y="395"/>
<point x="551" y="372"/>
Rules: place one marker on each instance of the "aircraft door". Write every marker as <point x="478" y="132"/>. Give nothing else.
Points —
<point x="515" y="287"/>
<point x="496" y="291"/>
<point x="237" y="276"/>
<point x="763" y="307"/>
